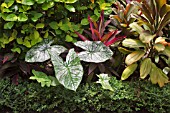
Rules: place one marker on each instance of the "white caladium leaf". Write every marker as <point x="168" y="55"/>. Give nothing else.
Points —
<point x="104" y="81"/>
<point x="70" y="72"/>
<point x="41" y="51"/>
<point x="95" y="51"/>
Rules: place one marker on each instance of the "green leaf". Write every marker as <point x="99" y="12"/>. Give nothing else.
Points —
<point x="145" y="68"/>
<point x="36" y="34"/>
<point x="39" y="25"/>
<point x="40" y="1"/>
<point x="28" y="2"/>
<point x="95" y="51"/>
<point x="8" y="25"/>
<point x="65" y="27"/>
<point x="134" y="57"/>
<point x="128" y="71"/>
<point x="158" y="76"/>
<point x="53" y="25"/>
<point x="84" y="21"/>
<point x="22" y="17"/>
<point x="19" y="40"/>
<point x="104" y="81"/>
<point x="146" y="37"/>
<point x="159" y="47"/>
<point x="11" y="17"/>
<point x="18" y="50"/>
<point x="44" y="79"/>
<point x="124" y="50"/>
<point x="70" y="72"/>
<point x="132" y="43"/>
<point x="167" y="51"/>
<point x="136" y="27"/>
<point x="70" y="8"/>
<point x="69" y="38"/>
<point x="41" y="52"/>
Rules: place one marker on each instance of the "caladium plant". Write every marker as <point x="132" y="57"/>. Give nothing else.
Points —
<point x="97" y="32"/>
<point x="68" y="73"/>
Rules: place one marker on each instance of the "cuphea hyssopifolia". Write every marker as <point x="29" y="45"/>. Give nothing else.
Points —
<point x="98" y="33"/>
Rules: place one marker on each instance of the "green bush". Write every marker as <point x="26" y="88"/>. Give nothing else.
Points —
<point x="127" y="97"/>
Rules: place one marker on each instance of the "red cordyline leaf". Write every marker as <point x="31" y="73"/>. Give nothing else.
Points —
<point x="101" y="22"/>
<point x="107" y="36"/>
<point x="97" y="34"/>
<point x="110" y="42"/>
<point x="91" y="28"/>
<point x="81" y="36"/>
<point x="5" y="59"/>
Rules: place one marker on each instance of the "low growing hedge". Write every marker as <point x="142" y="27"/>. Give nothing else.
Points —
<point x="90" y="98"/>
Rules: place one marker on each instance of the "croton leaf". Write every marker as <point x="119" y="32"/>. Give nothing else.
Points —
<point x="70" y="72"/>
<point x="95" y="51"/>
<point x="104" y="81"/>
<point x="158" y="76"/>
<point x="132" y="43"/>
<point x="41" y="52"/>
<point x="145" y="67"/>
<point x="134" y="57"/>
<point x="128" y="71"/>
<point x="146" y="37"/>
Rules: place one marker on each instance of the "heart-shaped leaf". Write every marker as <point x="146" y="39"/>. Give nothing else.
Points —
<point x="68" y="73"/>
<point x="95" y="51"/>
<point x="41" y="52"/>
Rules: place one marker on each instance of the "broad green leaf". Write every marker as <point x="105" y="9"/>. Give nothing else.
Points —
<point x="132" y="43"/>
<point x="95" y="51"/>
<point x="146" y="37"/>
<point x="159" y="47"/>
<point x="166" y="70"/>
<point x="8" y="25"/>
<point x="84" y="21"/>
<point x="69" y="38"/>
<point x="40" y="1"/>
<point x="39" y="25"/>
<point x="19" y="40"/>
<point x="167" y="51"/>
<point x="66" y="1"/>
<point x="65" y="27"/>
<point x="136" y="27"/>
<point x="44" y="79"/>
<point x="104" y="81"/>
<point x="18" y="50"/>
<point x="22" y="17"/>
<point x="70" y="72"/>
<point x="134" y="57"/>
<point x="11" y="17"/>
<point x="36" y="34"/>
<point x="53" y="25"/>
<point x="158" y="76"/>
<point x="70" y="8"/>
<point x="27" y="43"/>
<point x="41" y="52"/>
<point x="28" y="2"/>
<point x="145" y="67"/>
<point x="128" y="71"/>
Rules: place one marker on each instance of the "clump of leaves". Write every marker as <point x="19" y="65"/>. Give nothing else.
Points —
<point x="149" y="47"/>
<point x="98" y="50"/>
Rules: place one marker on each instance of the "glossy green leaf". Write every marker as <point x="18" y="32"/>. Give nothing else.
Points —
<point x="69" y="38"/>
<point x="124" y="50"/>
<point x="53" y="25"/>
<point x="129" y="70"/>
<point x="145" y="67"/>
<point x="18" y="50"/>
<point x="36" y="34"/>
<point x="70" y="72"/>
<point x="95" y="51"/>
<point x="146" y="37"/>
<point x="11" y="17"/>
<point x="84" y="21"/>
<point x="134" y="57"/>
<point x="8" y="25"/>
<point x="159" y="47"/>
<point x="132" y="43"/>
<point x="70" y="8"/>
<point x="41" y="52"/>
<point x="22" y="17"/>
<point x="40" y="25"/>
<point x="104" y="81"/>
<point x="28" y="2"/>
